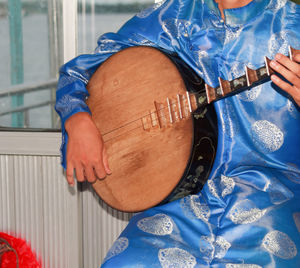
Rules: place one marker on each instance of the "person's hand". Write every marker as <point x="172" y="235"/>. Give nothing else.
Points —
<point x="86" y="154"/>
<point x="290" y="70"/>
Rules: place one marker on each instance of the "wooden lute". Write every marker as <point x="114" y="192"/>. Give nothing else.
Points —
<point x="159" y="132"/>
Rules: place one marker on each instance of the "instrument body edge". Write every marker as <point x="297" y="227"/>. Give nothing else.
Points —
<point x="156" y="152"/>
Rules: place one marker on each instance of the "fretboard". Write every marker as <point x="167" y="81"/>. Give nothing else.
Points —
<point x="250" y="79"/>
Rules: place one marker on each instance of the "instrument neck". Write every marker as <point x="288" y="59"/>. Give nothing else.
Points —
<point x="250" y="79"/>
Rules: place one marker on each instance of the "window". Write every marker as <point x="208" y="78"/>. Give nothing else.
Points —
<point x="30" y="56"/>
<point x="32" y="49"/>
<point x="96" y="17"/>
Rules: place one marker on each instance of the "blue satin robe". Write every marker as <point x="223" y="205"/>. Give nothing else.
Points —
<point x="248" y="213"/>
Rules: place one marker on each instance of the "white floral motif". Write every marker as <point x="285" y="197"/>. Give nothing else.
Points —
<point x="251" y="94"/>
<point x="213" y="247"/>
<point x="206" y="247"/>
<point x="275" y="5"/>
<point x="245" y="212"/>
<point x="176" y="257"/>
<point x="280" y="245"/>
<point x="237" y="69"/>
<point x="194" y="208"/>
<point x="221" y="247"/>
<point x="266" y="136"/>
<point x="226" y="187"/>
<point x="232" y="35"/>
<point x="159" y="224"/>
<point x="118" y="247"/>
<point x="242" y="265"/>
<point x="278" y="43"/>
<point x="211" y="183"/>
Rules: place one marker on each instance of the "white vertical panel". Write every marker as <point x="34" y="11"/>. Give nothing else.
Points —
<point x="7" y="195"/>
<point x="28" y="212"/>
<point x="66" y="227"/>
<point x="69" y="28"/>
<point x="62" y="228"/>
<point x="36" y="205"/>
<point x="101" y="227"/>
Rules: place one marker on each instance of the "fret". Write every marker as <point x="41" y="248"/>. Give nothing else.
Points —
<point x="170" y="111"/>
<point x="189" y="101"/>
<point x="194" y="103"/>
<point x="210" y="93"/>
<point x="227" y="88"/>
<point x="251" y="76"/>
<point x="159" y="108"/>
<point x="154" y="119"/>
<point x="175" y="110"/>
<point x="185" y="106"/>
<point x="146" y="122"/>
<point x="269" y="70"/>
<point x="292" y="52"/>
<point x="224" y="86"/>
<point x="179" y="106"/>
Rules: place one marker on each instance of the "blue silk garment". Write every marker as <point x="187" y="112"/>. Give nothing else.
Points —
<point x="248" y="213"/>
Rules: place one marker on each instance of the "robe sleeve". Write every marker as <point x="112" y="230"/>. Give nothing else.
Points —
<point x="146" y="28"/>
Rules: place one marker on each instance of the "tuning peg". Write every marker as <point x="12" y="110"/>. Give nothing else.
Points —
<point x="210" y="93"/>
<point x="251" y="76"/>
<point x="293" y="52"/>
<point x="268" y="67"/>
<point x="225" y="86"/>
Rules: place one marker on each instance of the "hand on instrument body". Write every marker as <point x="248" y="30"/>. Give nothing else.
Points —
<point x="86" y="153"/>
<point x="290" y="70"/>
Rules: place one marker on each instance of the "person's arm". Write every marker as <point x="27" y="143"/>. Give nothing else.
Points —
<point x="82" y="147"/>
<point x="85" y="151"/>
<point x="290" y="70"/>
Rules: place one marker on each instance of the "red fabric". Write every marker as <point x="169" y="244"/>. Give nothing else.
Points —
<point x="27" y="258"/>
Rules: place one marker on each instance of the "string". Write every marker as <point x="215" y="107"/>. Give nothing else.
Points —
<point x="167" y="107"/>
<point x="140" y="118"/>
<point x="114" y="137"/>
<point x="291" y="53"/>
